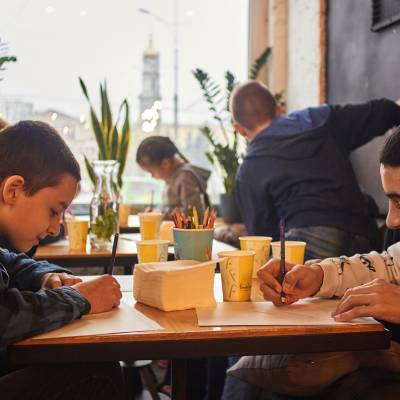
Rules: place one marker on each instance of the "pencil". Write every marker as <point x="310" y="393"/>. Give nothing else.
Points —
<point x="282" y="264"/>
<point x="113" y="253"/>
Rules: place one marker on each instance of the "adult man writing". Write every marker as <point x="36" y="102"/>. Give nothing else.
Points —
<point x="369" y="284"/>
<point x="297" y="167"/>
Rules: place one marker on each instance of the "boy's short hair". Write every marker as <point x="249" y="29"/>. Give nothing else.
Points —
<point x="36" y="151"/>
<point x="390" y="153"/>
<point x="252" y="104"/>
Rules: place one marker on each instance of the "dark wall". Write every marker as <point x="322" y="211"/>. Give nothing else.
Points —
<point x="362" y="65"/>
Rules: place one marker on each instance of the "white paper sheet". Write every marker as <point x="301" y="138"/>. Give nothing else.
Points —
<point x="305" y="312"/>
<point x="123" y="319"/>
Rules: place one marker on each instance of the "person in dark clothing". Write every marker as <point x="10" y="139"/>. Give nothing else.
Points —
<point x="368" y="285"/>
<point x="38" y="179"/>
<point x="297" y="167"/>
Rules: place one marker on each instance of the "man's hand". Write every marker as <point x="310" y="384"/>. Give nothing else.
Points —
<point x="300" y="281"/>
<point x="103" y="293"/>
<point x="54" y="280"/>
<point x="378" y="299"/>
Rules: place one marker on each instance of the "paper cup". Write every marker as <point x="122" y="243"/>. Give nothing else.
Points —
<point x="294" y="251"/>
<point x="166" y="231"/>
<point x="124" y="212"/>
<point x="77" y="233"/>
<point x="152" y="251"/>
<point x="150" y="225"/>
<point x="236" y="274"/>
<point x="193" y="244"/>
<point x="261" y="246"/>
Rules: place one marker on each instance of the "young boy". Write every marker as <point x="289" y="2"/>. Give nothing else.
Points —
<point x="39" y="177"/>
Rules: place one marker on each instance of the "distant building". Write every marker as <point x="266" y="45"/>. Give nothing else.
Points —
<point x="14" y="109"/>
<point x="79" y="137"/>
<point x="150" y="80"/>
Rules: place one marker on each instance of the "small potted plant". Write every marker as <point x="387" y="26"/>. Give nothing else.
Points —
<point x="227" y="147"/>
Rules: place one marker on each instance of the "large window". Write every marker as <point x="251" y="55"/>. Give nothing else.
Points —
<point x="145" y="49"/>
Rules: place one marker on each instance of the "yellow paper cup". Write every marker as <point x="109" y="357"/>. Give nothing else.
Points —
<point x="124" y="212"/>
<point x="150" y="225"/>
<point x="236" y="273"/>
<point x="294" y="251"/>
<point x="166" y="231"/>
<point x="260" y="245"/>
<point x="77" y="233"/>
<point x="152" y="251"/>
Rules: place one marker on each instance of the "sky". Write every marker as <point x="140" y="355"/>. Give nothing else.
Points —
<point x="56" y="41"/>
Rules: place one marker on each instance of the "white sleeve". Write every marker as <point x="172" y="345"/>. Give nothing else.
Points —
<point x="343" y="272"/>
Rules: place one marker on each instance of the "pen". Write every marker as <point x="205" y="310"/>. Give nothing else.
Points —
<point x="113" y="253"/>
<point x="282" y="264"/>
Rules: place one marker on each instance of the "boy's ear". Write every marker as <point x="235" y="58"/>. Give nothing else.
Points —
<point x="240" y="128"/>
<point x="12" y="187"/>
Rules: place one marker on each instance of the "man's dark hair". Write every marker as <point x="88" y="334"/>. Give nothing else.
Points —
<point x="35" y="151"/>
<point x="252" y="104"/>
<point x="390" y="153"/>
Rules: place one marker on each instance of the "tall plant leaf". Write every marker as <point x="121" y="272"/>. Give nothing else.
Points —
<point x="112" y="142"/>
<point x="98" y="133"/>
<point x="227" y="156"/>
<point x="259" y="63"/>
<point x="90" y="170"/>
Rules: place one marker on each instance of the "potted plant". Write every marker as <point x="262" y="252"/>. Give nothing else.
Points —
<point x="113" y="139"/>
<point x="227" y="148"/>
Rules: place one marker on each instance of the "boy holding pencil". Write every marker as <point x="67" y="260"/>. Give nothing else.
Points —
<point x="39" y="177"/>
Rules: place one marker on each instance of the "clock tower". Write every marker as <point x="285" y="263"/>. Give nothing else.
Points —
<point x="150" y="78"/>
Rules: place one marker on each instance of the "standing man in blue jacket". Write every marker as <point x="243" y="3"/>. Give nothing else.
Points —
<point x="297" y="167"/>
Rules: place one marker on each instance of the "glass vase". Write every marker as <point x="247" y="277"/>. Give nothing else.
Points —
<point x="104" y="205"/>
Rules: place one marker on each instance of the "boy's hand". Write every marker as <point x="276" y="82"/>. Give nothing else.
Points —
<point x="103" y="293"/>
<point x="53" y="280"/>
<point x="300" y="281"/>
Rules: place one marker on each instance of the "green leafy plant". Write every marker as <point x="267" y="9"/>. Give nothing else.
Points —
<point x="226" y="152"/>
<point x="105" y="225"/>
<point x="112" y="137"/>
<point x="4" y="59"/>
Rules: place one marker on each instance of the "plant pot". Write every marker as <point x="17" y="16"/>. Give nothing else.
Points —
<point x="229" y="208"/>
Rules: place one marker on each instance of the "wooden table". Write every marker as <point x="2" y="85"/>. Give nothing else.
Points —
<point x="59" y="253"/>
<point x="133" y="225"/>
<point x="183" y="339"/>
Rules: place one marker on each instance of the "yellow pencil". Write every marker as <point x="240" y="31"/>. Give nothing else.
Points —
<point x="195" y="218"/>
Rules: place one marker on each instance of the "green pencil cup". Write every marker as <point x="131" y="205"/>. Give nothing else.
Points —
<point x="193" y="244"/>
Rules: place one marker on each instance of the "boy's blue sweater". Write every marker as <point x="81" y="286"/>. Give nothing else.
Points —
<point x="298" y="168"/>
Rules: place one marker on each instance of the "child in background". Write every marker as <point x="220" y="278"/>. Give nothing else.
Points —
<point x="186" y="184"/>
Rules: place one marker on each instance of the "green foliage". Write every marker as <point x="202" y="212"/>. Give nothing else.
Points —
<point x="4" y="60"/>
<point x="112" y="138"/>
<point x="259" y="63"/>
<point x="106" y="225"/>
<point x="226" y="153"/>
